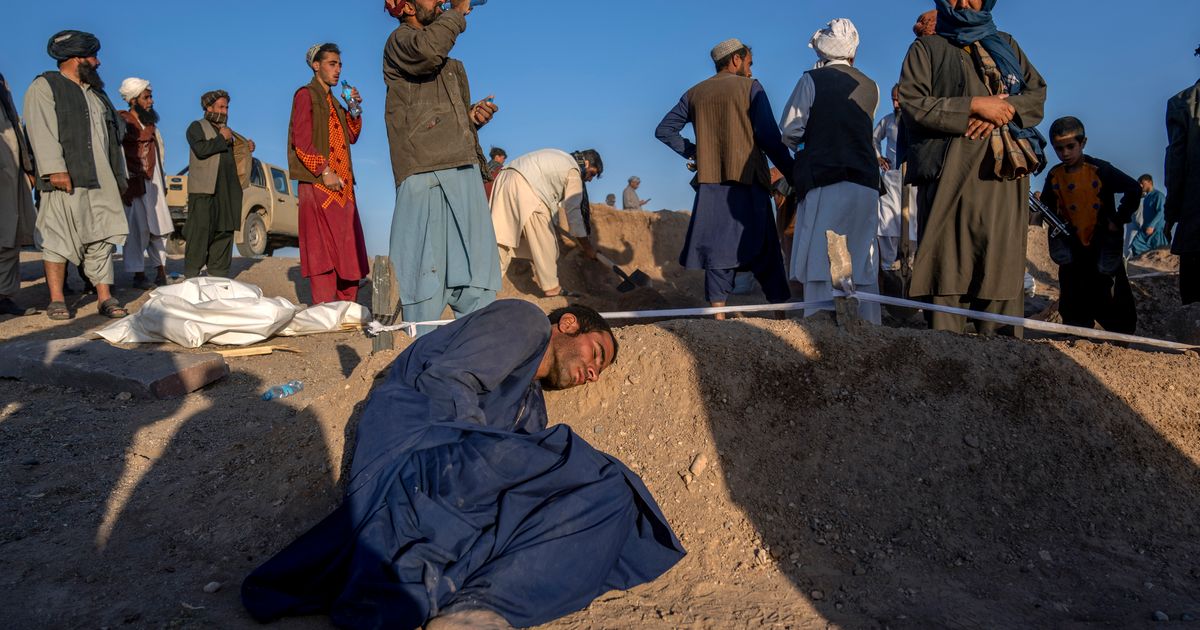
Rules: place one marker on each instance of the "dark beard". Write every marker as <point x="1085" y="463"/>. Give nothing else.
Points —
<point x="425" y="17"/>
<point x="89" y="76"/>
<point x="149" y="117"/>
<point x="216" y="119"/>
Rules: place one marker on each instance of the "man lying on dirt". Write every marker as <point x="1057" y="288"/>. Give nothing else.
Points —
<point x="463" y="507"/>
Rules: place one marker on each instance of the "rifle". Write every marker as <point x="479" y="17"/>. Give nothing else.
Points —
<point x="1058" y="227"/>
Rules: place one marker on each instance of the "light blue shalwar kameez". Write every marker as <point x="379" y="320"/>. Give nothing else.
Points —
<point x="443" y="245"/>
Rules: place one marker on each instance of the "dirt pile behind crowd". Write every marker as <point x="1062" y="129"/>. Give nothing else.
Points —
<point x="881" y="478"/>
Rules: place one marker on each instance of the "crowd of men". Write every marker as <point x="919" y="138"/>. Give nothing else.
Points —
<point x="939" y="186"/>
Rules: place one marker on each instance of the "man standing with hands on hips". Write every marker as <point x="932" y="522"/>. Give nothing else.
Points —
<point x="443" y="244"/>
<point x="333" y="254"/>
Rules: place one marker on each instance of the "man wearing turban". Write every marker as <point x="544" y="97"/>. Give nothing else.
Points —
<point x="75" y="134"/>
<point x="146" y="195"/>
<point x="17" y="216"/>
<point x="964" y="93"/>
<point x="829" y="121"/>
<point x="214" y="190"/>
<point x="443" y="244"/>
<point x="732" y="227"/>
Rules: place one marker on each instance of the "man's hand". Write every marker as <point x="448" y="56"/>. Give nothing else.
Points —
<point x="979" y="129"/>
<point x="482" y="112"/>
<point x="462" y="6"/>
<point x="585" y="243"/>
<point x="885" y="164"/>
<point x="62" y="181"/>
<point x="993" y="109"/>
<point x="330" y="180"/>
<point x="1149" y="231"/>
<point x="226" y="133"/>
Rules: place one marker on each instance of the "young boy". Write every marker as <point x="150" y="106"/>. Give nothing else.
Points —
<point x="1094" y="285"/>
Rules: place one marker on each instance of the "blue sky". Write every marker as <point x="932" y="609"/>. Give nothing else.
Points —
<point x="573" y="74"/>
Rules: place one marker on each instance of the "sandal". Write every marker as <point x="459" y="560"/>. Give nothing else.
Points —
<point x="562" y="292"/>
<point x="57" y="311"/>
<point x="112" y="309"/>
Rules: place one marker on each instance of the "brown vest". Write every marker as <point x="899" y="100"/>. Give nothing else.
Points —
<point x="320" y="133"/>
<point x="725" y="149"/>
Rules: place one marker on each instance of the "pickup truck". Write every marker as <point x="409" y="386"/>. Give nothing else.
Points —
<point x="270" y="211"/>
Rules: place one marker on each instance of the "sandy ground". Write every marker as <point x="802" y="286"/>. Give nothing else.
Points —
<point x="876" y="478"/>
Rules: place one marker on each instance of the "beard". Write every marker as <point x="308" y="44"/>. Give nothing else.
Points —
<point x="216" y="119"/>
<point x="90" y="76"/>
<point x="147" y="116"/>
<point x="425" y="16"/>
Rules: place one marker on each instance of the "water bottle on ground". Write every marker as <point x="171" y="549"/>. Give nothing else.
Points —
<point x="283" y="391"/>
<point x="352" y="105"/>
<point x="474" y="3"/>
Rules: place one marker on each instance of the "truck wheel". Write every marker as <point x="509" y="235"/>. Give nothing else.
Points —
<point x="254" y="237"/>
<point x="176" y="245"/>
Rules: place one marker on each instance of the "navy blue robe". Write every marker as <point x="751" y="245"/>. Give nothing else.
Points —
<point x="460" y="497"/>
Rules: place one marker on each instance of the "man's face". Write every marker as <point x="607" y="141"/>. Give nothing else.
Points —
<point x="577" y="359"/>
<point x="1147" y="186"/>
<point x="1069" y="149"/>
<point x="145" y="100"/>
<point x="426" y="11"/>
<point x="500" y="159"/>
<point x="329" y="68"/>
<point x="589" y="171"/>
<point x="635" y="183"/>
<point x="742" y="66"/>
<point x="221" y="106"/>
<point x="970" y="5"/>
<point x="88" y="69"/>
<point x="896" y="98"/>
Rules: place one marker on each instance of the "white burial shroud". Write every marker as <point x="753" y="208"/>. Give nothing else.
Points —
<point x="228" y="313"/>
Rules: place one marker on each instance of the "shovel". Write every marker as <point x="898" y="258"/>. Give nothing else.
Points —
<point x="629" y="281"/>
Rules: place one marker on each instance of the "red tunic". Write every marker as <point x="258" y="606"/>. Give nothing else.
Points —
<point x="331" y="235"/>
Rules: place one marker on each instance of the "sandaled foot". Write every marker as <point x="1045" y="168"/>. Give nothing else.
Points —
<point x="112" y="309"/>
<point x="560" y="292"/>
<point x="57" y="311"/>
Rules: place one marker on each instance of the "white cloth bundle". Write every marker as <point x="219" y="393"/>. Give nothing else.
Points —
<point x="225" y="312"/>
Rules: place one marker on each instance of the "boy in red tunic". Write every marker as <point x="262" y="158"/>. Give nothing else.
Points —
<point x="333" y="254"/>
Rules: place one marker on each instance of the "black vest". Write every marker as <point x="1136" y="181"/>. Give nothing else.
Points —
<point x="75" y="135"/>
<point x="838" y="140"/>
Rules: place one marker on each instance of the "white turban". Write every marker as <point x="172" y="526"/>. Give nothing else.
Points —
<point x="836" y="42"/>
<point x="132" y="88"/>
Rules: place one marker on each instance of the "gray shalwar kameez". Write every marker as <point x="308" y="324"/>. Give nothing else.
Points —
<point x="85" y="226"/>
<point x="17" y="216"/>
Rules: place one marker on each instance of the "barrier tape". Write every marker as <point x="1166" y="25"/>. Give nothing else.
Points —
<point x="374" y="328"/>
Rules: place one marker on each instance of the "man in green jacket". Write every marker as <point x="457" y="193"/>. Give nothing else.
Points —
<point x="443" y="245"/>
<point x="214" y="190"/>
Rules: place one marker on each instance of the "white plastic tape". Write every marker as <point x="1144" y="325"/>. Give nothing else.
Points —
<point x="375" y="328"/>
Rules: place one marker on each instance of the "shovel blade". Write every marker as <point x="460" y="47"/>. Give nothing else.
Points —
<point x="639" y="278"/>
<point x="626" y="286"/>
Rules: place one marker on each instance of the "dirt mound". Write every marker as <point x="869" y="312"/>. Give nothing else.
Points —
<point x="1161" y="260"/>
<point x="890" y="478"/>
<point x="902" y="479"/>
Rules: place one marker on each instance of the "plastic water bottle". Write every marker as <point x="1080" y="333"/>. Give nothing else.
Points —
<point x="352" y="105"/>
<point x="283" y="391"/>
<point x="474" y="3"/>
